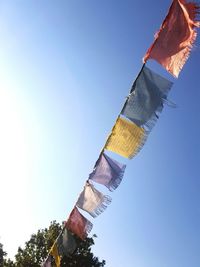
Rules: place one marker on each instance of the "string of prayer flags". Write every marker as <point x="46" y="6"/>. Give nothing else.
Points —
<point x="171" y="48"/>
<point x="66" y="243"/>
<point x="92" y="201"/>
<point x="108" y="172"/>
<point x="146" y="98"/>
<point x="78" y="224"/>
<point x="126" y="138"/>
<point x="175" y="38"/>
<point x="55" y="254"/>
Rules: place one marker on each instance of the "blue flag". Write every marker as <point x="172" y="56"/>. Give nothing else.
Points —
<point x="146" y="99"/>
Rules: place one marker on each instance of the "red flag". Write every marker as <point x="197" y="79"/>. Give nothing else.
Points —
<point x="78" y="224"/>
<point x="176" y="36"/>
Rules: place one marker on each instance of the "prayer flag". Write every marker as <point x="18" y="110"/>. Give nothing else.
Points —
<point x="126" y="138"/>
<point x="92" y="201"/>
<point x="78" y="224"/>
<point x="47" y="263"/>
<point x="146" y="98"/>
<point x="108" y="172"/>
<point x="66" y="243"/>
<point x="54" y="253"/>
<point x="175" y="37"/>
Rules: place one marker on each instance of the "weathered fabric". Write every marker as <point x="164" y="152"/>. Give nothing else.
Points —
<point x="47" y="263"/>
<point x="176" y="36"/>
<point x="146" y="98"/>
<point x="55" y="254"/>
<point x="78" y="224"/>
<point x="126" y="138"/>
<point x="92" y="201"/>
<point x="66" y="243"/>
<point x="108" y="172"/>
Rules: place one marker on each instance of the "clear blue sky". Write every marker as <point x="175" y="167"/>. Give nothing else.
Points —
<point x="65" y="70"/>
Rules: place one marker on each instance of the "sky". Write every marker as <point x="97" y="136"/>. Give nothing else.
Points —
<point x="66" y="68"/>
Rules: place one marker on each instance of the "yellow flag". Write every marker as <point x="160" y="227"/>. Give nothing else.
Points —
<point x="54" y="253"/>
<point x="126" y="138"/>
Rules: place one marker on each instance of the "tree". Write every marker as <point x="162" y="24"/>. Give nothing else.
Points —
<point x="2" y="254"/>
<point x="37" y="248"/>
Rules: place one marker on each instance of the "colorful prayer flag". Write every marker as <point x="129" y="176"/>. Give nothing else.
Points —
<point x="146" y="98"/>
<point x="108" y="172"/>
<point x="126" y="138"/>
<point x="92" y="201"/>
<point x="176" y="36"/>
<point x="78" y="224"/>
<point x="55" y="254"/>
<point x="66" y="243"/>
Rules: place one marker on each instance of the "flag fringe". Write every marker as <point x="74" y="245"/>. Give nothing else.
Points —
<point x="114" y="183"/>
<point x="102" y="207"/>
<point x="148" y="126"/>
<point x="186" y="54"/>
<point x="193" y="11"/>
<point x="88" y="227"/>
<point x="140" y="146"/>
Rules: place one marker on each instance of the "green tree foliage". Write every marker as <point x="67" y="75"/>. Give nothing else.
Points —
<point x="2" y="254"/>
<point x="37" y="248"/>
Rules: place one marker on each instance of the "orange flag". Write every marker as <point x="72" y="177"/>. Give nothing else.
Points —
<point x="176" y="36"/>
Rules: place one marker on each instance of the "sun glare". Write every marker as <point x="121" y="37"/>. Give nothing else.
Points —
<point x="14" y="170"/>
